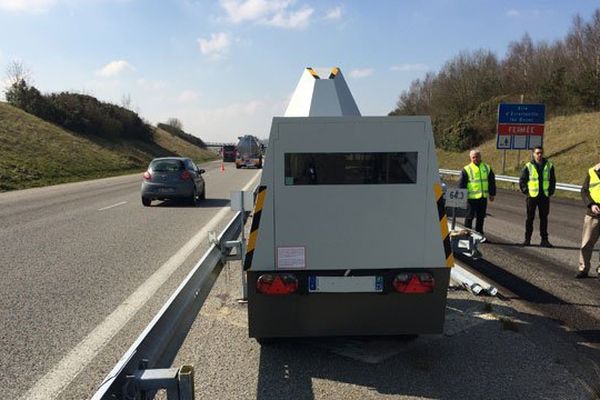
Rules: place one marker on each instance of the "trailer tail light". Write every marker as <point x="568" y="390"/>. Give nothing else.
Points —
<point x="277" y="284"/>
<point x="147" y="176"/>
<point x="408" y="282"/>
<point x="185" y="176"/>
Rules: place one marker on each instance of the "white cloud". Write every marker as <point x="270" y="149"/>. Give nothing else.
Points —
<point x="187" y="96"/>
<point x="409" y="67"/>
<point x="293" y="20"/>
<point x="252" y="10"/>
<point x="114" y="68"/>
<point x="361" y="73"/>
<point x="526" y="13"/>
<point x="334" y="13"/>
<point x="513" y="13"/>
<point x="267" y="12"/>
<point x="27" y="6"/>
<point x="42" y="6"/>
<point x="216" y="46"/>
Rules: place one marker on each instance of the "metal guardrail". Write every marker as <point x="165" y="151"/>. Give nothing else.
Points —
<point x="505" y="178"/>
<point x="156" y="347"/>
<point x="146" y="366"/>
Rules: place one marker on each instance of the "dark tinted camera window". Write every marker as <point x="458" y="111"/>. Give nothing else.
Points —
<point x="166" y="165"/>
<point x="350" y="168"/>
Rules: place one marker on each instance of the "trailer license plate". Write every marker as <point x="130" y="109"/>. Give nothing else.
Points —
<point x="345" y="284"/>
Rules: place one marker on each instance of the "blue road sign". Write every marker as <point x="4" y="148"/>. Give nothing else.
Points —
<point x="521" y="113"/>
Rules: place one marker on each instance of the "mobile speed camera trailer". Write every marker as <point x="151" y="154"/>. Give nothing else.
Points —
<point x="349" y="235"/>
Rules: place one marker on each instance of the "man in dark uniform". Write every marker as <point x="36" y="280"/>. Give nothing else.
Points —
<point x="480" y="182"/>
<point x="538" y="183"/>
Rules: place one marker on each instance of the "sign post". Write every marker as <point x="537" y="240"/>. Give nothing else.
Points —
<point x="456" y="198"/>
<point x="519" y="127"/>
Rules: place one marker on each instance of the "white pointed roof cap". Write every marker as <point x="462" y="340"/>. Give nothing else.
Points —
<point x="322" y="93"/>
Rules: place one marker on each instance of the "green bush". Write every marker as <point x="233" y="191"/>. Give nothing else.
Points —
<point x="80" y="113"/>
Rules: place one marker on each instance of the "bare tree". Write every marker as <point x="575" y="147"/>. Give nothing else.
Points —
<point x="126" y="101"/>
<point x="175" y="123"/>
<point x="517" y="65"/>
<point x="16" y="72"/>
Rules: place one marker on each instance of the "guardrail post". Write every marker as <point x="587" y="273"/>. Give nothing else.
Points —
<point x="186" y="383"/>
<point x="178" y="382"/>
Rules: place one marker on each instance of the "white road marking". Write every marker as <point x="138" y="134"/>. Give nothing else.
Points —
<point x="64" y="372"/>
<point x="113" y="206"/>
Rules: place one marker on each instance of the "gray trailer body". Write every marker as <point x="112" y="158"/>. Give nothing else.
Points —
<point x="347" y="203"/>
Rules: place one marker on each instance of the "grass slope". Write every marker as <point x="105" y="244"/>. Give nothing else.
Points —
<point x="36" y="153"/>
<point x="572" y="143"/>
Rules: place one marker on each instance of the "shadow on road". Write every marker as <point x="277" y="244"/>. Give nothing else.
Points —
<point x="207" y="203"/>
<point x="523" y="289"/>
<point x="482" y="350"/>
<point x="518" y="244"/>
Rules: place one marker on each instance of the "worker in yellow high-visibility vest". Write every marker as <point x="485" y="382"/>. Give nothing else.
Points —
<point x="480" y="182"/>
<point x="590" y="193"/>
<point x="538" y="183"/>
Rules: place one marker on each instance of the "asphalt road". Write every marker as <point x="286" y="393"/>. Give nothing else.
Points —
<point x="84" y="267"/>
<point x="531" y="344"/>
<point x="540" y="277"/>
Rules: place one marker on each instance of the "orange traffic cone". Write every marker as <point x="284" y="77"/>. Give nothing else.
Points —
<point x="222" y="166"/>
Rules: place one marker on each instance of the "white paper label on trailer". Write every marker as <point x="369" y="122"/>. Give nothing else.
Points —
<point x="520" y="142"/>
<point x="535" y="141"/>
<point x="503" y="142"/>
<point x="291" y="257"/>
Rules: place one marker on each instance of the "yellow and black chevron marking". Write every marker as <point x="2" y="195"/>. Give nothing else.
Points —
<point x="313" y="73"/>
<point x="334" y="72"/>
<point x="437" y="188"/>
<point x="260" y="202"/>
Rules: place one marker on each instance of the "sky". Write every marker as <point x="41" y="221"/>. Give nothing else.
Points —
<point x="224" y="68"/>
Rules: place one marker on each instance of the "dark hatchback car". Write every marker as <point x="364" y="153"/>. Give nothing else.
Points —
<point x="173" y="178"/>
<point x="229" y="153"/>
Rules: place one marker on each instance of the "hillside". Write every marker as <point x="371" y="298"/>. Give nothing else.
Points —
<point x="36" y="153"/>
<point x="571" y="142"/>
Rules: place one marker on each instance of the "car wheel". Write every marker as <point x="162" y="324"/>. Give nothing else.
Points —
<point x="146" y="201"/>
<point x="203" y="195"/>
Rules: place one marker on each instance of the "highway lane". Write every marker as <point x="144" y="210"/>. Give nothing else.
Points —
<point x="73" y="254"/>
<point x="543" y="278"/>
